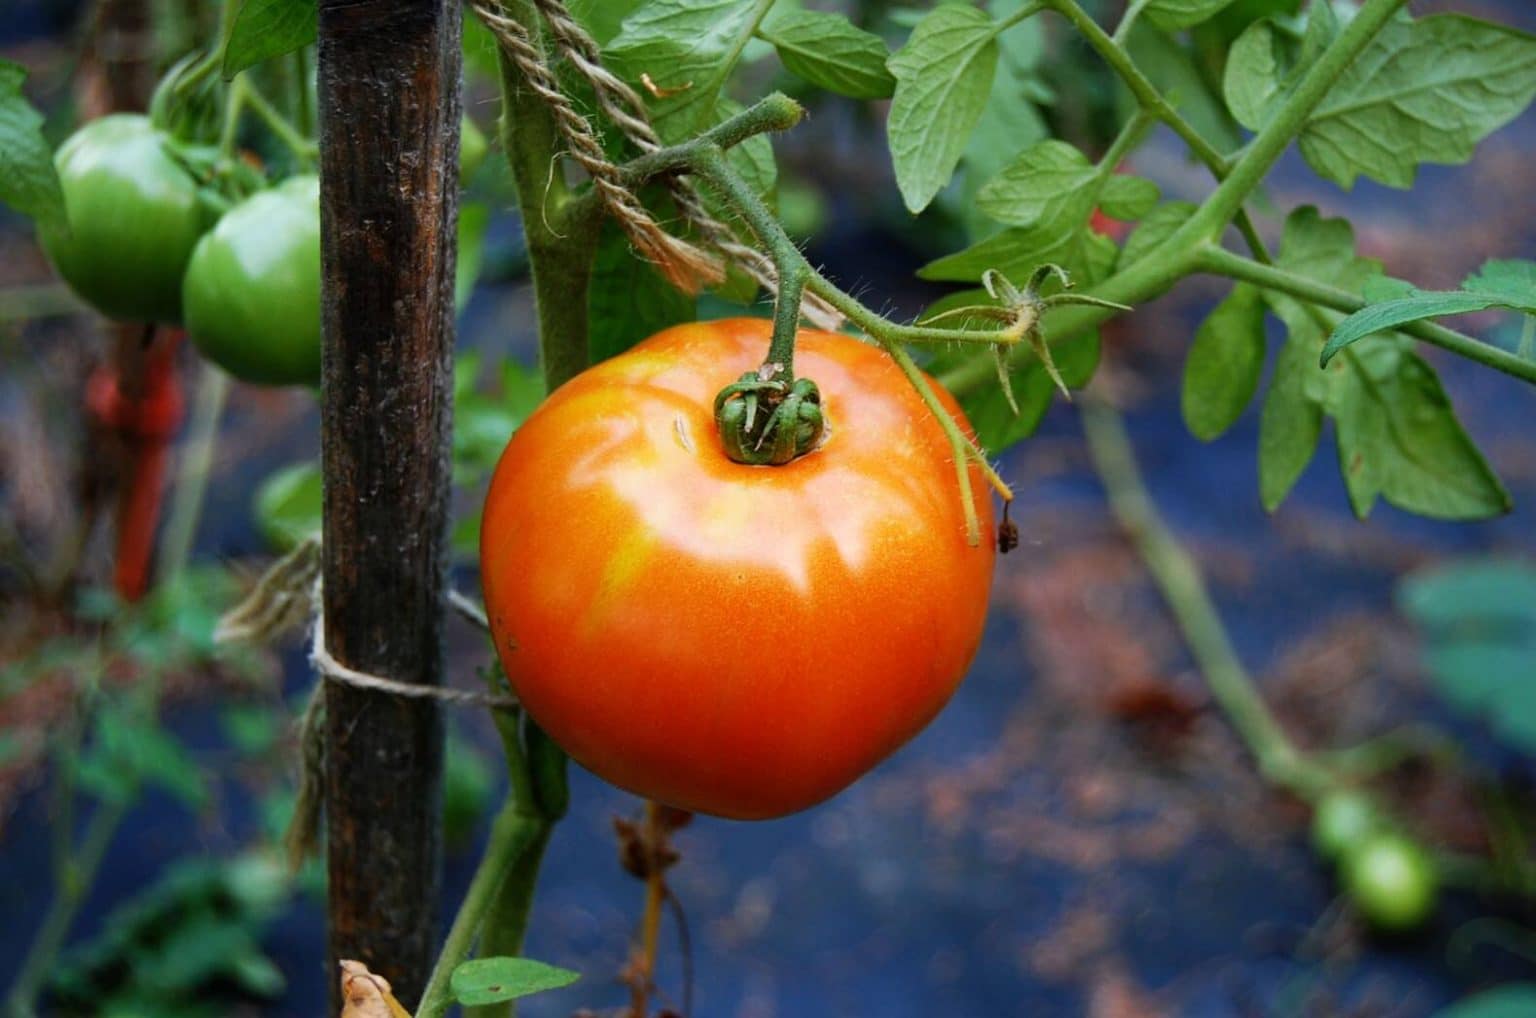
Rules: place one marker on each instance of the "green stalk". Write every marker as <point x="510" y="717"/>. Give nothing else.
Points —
<point x="506" y="924"/>
<point x="562" y="236"/>
<point x="1221" y="262"/>
<point x="1112" y="50"/>
<point x="192" y="479"/>
<point x="514" y="834"/>
<point x="1249" y="171"/>
<point x="1178" y="578"/>
<point x="72" y="886"/>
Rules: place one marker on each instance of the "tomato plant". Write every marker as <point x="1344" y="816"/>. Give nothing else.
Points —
<point x="252" y="289"/>
<point x="135" y="212"/>
<point x="733" y="639"/>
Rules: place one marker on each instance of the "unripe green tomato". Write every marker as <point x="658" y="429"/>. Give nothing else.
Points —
<point x="134" y="217"/>
<point x="1343" y="820"/>
<point x="472" y="149"/>
<point x="1392" y="882"/>
<point x="252" y="290"/>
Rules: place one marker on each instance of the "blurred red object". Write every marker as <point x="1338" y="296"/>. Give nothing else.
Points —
<point x="145" y="420"/>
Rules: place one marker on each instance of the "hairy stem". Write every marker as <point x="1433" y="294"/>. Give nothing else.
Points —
<point x="562" y="234"/>
<point x="1178" y="578"/>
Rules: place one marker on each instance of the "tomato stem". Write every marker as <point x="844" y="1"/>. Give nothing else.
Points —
<point x="1178" y="577"/>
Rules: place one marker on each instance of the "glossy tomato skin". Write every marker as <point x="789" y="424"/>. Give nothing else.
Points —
<point x="734" y="640"/>
<point x="134" y="217"/>
<point x="252" y="289"/>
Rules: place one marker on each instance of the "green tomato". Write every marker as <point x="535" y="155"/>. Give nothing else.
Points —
<point x="1343" y="820"/>
<point x="135" y="214"/>
<point x="472" y="149"/>
<point x="252" y="290"/>
<point x="1391" y="880"/>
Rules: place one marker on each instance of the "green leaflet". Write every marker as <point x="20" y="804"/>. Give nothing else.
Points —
<point x="28" y="182"/>
<point x="1222" y="367"/>
<point x="943" y="78"/>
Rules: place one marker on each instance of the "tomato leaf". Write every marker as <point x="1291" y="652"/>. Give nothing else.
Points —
<point x="943" y="79"/>
<point x="1266" y="62"/>
<point x="828" y="51"/>
<point x="1183" y="13"/>
<point x="28" y="182"/>
<point x="1047" y="185"/>
<point x="687" y="48"/>
<point x="1424" y="91"/>
<point x="493" y="980"/>
<point x="1222" y="368"/>
<point x="1128" y="198"/>
<point x="1009" y="123"/>
<point x="1291" y="423"/>
<point x="1397" y="435"/>
<point x="1478" y="621"/>
<point x="268" y="28"/>
<point x="1499" y="284"/>
<point x="1173" y="70"/>
<point x="1156" y="227"/>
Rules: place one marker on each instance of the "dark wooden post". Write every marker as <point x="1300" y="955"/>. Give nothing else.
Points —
<point x="389" y="123"/>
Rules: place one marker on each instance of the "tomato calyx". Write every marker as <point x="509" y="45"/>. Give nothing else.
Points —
<point x="767" y="418"/>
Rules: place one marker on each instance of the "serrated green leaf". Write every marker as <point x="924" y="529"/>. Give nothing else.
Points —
<point x="28" y="181"/>
<point x="1390" y="314"/>
<point x="268" y="28"/>
<point x="688" y="48"/>
<point x="1516" y="1000"/>
<point x="1265" y="63"/>
<point x="1222" y="368"/>
<point x="1128" y="198"/>
<point x="828" y="51"/>
<point x="1424" y="91"/>
<point x="493" y="980"/>
<point x="1183" y="13"/>
<point x="628" y="299"/>
<point x="1010" y="122"/>
<point x="943" y="79"/>
<point x="1046" y="186"/>
<point x="1499" y="284"/>
<point x="1513" y="280"/>
<point x="1156" y="227"/>
<point x="1291" y="423"/>
<point x="1479" y="625"/>
<point x="1398" y="437"/>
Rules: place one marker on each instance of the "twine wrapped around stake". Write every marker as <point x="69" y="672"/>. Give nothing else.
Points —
<point x="287" y="594"/>
<point x="624" y="107"/>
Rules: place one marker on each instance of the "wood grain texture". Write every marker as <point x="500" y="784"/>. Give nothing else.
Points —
<point x="389" y="116"/>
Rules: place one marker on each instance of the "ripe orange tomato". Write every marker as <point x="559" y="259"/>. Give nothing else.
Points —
<point x="738" y="640"/>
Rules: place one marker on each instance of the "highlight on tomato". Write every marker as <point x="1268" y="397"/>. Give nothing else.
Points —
<point x="134" y="213"/>
<point x="252" y="288"/>
<point x="738" y="640"/>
